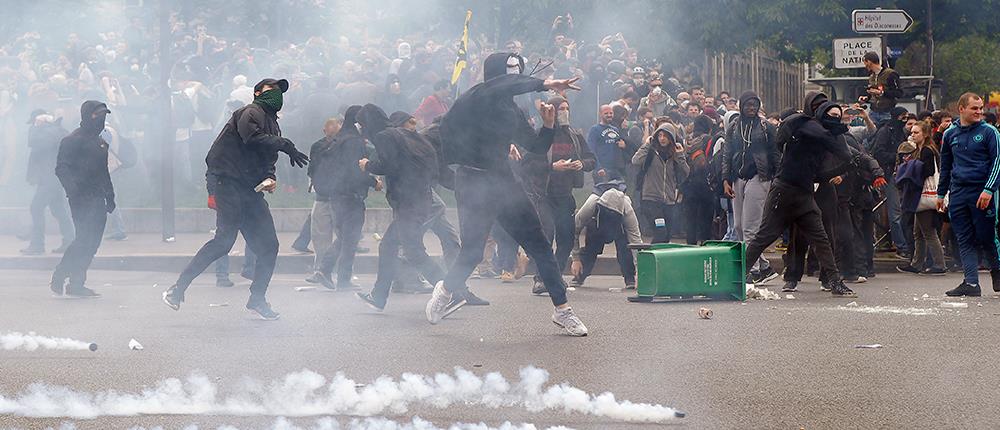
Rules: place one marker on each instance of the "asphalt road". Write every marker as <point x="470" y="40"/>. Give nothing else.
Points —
<point x="761" y="364"/>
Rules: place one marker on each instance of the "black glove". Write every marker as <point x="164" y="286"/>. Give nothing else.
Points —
<point x="295" y="157"/>
<point x="110" y="203"/>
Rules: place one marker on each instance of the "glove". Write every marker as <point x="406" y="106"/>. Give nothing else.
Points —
<point x="110" y="204"/>
<point x="211" y="202"/>
<point x="295" y="157"/>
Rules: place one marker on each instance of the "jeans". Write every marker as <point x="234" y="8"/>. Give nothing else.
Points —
<point x="975" y="230"/>
<point x="344" y="218"/>
<point x="222" y="265"/>
<point x="51" y="195"/>
<point x="879" y="117"/>
<point x="895" y="216"/>
<point x="925" y="239"/>
<point x="556" y="216"/>
<point x="748" y="209"/>
<point x="446" y="233"/>
<point x="731" y="234"/>
<point x="90" y="214"/>
<point x="405" y="233"/>
<point x="305" y="235"/>
<point x="698" y="216"/>
<point x="239" y="210"/>
<point x="116" y="225"/>
<point x="484" y="197"/>
<point x="653" y="211"/>
<point x="611" y="230"/>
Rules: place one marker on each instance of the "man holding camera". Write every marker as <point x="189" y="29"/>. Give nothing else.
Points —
<point x="883" y="88"/>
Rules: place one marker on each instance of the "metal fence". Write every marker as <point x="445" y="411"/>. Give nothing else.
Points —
<point x="779" y="84"/>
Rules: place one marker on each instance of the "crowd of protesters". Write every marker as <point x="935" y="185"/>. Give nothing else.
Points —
<point x="662" y="159"/>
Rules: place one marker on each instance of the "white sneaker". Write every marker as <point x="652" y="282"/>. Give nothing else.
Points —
<point x="438" y="303"/>
<point x="566" y="319"/>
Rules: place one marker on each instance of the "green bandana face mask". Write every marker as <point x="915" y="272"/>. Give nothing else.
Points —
<point x="271" y="99"/>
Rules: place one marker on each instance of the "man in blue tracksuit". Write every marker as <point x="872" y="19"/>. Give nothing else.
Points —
<point x="970" y="165"/>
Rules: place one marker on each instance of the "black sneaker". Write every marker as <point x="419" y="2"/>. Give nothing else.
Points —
<point x="790" y="287"/>
<point x="964" y="289"/>
<point x="942" y="272"/>
<point x="324" y="280"/>
<point x="81" y="292"/>
<point x="370" y="301"/>
<point x="765" y="276"/>
<point x="824" y="287"/>
<point x="470" y="299"/>
<point x="263" y="310"/>
<point x="173" y="297"/>
<point x="838" y="289"/>
<point x="224" y="283"/>
<point x="576" y="282"/>
<point x="539" y="289"/>
<point x="908" y="269"/>
<point x="995" y="276"/>
<point x="313" y="279"/>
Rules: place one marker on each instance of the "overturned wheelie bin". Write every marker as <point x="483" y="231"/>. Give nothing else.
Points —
<point x="672" y="271"/>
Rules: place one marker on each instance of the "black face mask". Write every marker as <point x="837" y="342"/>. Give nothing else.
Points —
<point x="834" y="125"/>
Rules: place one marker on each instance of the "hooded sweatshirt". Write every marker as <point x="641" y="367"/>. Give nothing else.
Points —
<point x="482" y="124"/>
<point x="82" y="161"/>
<point x="806" y="144"/>
<point x="615" y="201"/>
<point x="749" y="149"/>
<point x="333" y="166"/>
<point x="661" y="169"/>
<point x="406" y="159"/>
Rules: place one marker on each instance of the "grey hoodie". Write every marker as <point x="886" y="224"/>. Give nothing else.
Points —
<point x="611" y="199"/>
<point x="663" y="177"/>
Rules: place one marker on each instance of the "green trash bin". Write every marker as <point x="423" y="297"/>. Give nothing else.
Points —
<point x="716" y="269"/>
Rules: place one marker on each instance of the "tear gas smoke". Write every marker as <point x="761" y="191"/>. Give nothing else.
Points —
<point x="31" y="341"/>
<point x="327" y="423"/>
<point x="306" y="393"/>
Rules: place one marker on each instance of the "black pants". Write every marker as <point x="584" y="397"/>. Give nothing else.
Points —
<point x="864" y="239"/>
<point x="90" y="214"/>
<point x="699" y="213"/>
<point x="484" y="197"/>
<point x="846" y="243"/>
<point x="800" y="246"/>
<point x="790" y="206"/>
<point x="305" y="234"/>
<point x="610" y="230"/>
<point x="651" y="211"/>
<point x="906" y="222"/>
<point x="49" y="194"/>
<point x="556" y="215"/>
<point x="405" y="233"/>
<point x="239" y="210"/>
<point x="447" y="235"/>
<point x="348" y="220"/>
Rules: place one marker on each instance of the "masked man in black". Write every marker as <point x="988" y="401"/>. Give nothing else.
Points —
<point x="409" y="163"/>
<point x="82" y="168"/>
<point x="241" y="166"/>
<point x="478" y="133"/>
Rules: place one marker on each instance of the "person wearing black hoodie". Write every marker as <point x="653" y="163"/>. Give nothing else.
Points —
<point x="241" y="166"/>
<point x="410" y="166"/>
<point x="82" y="168"/>
<point x="339" y="210"/>
<point x="805" y="141"/>
<point x="550" y="179"/>
<point x="477" y="135"/>
<point x="44" y="136"/>
<point x="698" y="199"/>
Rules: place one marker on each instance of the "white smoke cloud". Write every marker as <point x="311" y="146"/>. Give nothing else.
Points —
<point x="307" y="393"/>
<point x="31" y="341"/>
<point x="327" y="423"/>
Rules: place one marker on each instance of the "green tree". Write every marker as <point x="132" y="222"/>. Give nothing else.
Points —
<point x="969" y="63"/>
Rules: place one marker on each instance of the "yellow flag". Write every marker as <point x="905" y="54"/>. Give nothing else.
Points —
<point x="463" y="50"/>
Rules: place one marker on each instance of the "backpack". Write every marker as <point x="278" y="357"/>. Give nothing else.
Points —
<point x="715" y="174"/>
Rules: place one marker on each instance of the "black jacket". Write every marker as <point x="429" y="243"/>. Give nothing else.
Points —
<point x="333" y="166"/>
<point x="482" y="124"/>
<point x="446" y="176"/>
<point x="860" y="175"/>
<point x="43" y="142"/>
<point x="885" y="144"/>
<point x="247" y="148"/>
<point x="749" y="150"/>
<point x="405" y="158"/>
<point x="82" y="162"/>
<point x="539" y="177"/>
<point x="804" y="144"/>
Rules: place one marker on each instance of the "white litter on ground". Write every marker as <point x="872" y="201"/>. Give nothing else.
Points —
<point x="134" y="345"/>
<point x="328" y="423"/>
<point x="954" y="305"/>
<point x="307" y="393"/>
<point x="887" y="310"/>
<point x="871" y="346"/>
<point x="754" y="293"/>
<point x="31" y="341"/>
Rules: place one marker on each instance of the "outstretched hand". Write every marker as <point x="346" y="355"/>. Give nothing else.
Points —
<point x="295" y="157"/>
<point x="560" y="85"/>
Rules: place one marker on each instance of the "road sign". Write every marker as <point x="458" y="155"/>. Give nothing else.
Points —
<point x="880" y="21"/>
<point x="847" y="53"/>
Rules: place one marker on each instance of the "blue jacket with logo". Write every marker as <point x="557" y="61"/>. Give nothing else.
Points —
<point x="969" y="158"/>
<point x="603" y="141"/>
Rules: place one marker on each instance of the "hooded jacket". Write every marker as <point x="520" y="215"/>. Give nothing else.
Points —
<point x="482" y="124"/>
<point x="333" y="166"/>
<point x="43" y="142"/>
<point x="886" y="141"/>
<point x="247" y="147"/>
<point x="805" y="144"/>
<point x="749" y="150"/>
<point x="82" y="161"/>
<point x="659" y="179"/>
<point x="405" y="158"/>
<point x="615" y="201"/>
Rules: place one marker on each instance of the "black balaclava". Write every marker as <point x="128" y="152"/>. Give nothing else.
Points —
<point x="834" y="124"/>
<point x="812" y="101"/>
<point x="373" y="120"/>
<point x="351" y="118"/>
<point x="496" y="65"/>
<point x="89" y="124"/>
